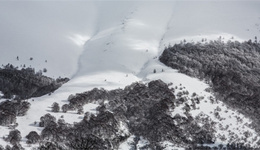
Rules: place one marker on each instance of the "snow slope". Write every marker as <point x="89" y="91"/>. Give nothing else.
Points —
<point x="112" y="44"/>
<point x="194" y="20"/>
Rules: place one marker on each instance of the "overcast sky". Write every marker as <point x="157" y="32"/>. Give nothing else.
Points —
<point x="28" y="28"/>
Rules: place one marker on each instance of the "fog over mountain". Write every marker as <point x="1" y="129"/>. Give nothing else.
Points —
<point x="124" y="59"/>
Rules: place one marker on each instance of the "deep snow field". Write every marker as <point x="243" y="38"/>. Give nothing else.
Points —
<point x="113" y="44"/>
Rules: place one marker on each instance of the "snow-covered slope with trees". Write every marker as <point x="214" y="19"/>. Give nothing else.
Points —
<point x="113" y="44"/>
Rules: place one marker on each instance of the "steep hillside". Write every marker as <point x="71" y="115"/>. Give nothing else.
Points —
<point x="26" y="83"/>
<point x="231" y="68"/>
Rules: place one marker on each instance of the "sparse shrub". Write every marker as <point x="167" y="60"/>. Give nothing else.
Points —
<point x="44" y="70"/>
<point x="193" y="94"/>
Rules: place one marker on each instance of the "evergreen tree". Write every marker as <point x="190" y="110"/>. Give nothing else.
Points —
<point x="33" y="137"/>
<point x="14" y="137"/>
<point x="55" y="107"/>
<point x="65" y="108"/>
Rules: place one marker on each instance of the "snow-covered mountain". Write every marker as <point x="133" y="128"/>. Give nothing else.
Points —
<point x="111" y="44"/>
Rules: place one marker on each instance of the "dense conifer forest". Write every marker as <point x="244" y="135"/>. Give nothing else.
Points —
<point x="232" y="69"/>
<point x="26" y="83"/>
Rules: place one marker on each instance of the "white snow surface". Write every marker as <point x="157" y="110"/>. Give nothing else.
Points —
<point x="111" y="44"/>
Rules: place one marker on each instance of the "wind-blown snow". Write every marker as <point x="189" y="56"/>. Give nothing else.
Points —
<point x="112" y="44"/>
